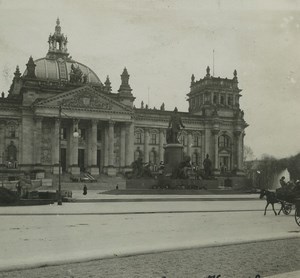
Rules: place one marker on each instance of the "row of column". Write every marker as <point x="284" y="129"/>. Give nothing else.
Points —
<point x="107" y="147"/>
<point x="126" y="144"/>
<point x="211" y="146"/>
<point x="2" y="134"/>
<point x="162" y="141"/>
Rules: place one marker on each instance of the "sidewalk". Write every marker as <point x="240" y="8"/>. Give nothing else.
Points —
<point x="98" y="195"/>
<point x="294" y="274"/>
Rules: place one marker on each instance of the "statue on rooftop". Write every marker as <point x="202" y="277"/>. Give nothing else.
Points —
<point x="75" y="74"/>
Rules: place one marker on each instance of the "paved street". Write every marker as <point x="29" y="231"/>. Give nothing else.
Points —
<point x="230" y="261"/>
<point x="76" y="232"/>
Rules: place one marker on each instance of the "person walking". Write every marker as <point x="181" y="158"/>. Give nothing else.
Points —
<point x="84" y="190"/>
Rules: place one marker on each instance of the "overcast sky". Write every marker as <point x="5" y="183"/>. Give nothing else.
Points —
<point x="163" y="42"/>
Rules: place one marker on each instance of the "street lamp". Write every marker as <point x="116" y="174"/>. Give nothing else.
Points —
<point x="59" y="201"/>
<point x="76" y="135"/>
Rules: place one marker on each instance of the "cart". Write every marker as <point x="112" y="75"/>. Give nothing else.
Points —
<point x="297" y="211"/>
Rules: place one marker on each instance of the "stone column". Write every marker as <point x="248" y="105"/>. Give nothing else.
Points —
<point x="216" y="149"/>
<point x="2" y="142"/>
<point x="189" y="144"/>
<point x="146" y="145"/>
<point x="111" y="170"/>
<point x="123" y="146"/>
<point x="27" y="146"/>
<point x="55" y="147"/>
<point x="105" y="149"/>
<point x="203" y="152"/>
<point x="94" y="170"/>
<point x="129" y="144"/>
<point x="239" y="136"/>
<point x="37" y="140"/>
<point x="74" y="149"/>
<point x="207" y="140"/>
<point x="111" y="141"/>
<point x="161" y="144"/>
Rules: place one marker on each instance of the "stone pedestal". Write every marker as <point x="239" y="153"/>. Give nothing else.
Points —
<point x="55" y="170"/>
<point x="74" y="170"/>
<point x="173" y="156"/>
<point x="111" y="171"/>
<point x="240" y="172"/>
<point x="94" y="170"/>
<point x="216" y="172"/>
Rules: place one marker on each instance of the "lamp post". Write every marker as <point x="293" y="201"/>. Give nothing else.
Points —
<point x="59" y="201"/>
<point x="75" y="134"/>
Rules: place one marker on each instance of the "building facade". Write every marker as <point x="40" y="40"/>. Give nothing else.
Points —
<point x="59" y="108"/>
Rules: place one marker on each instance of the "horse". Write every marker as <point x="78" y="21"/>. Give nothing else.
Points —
<point x="271" y="199"/>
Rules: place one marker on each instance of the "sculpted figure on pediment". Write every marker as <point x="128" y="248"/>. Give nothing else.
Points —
<point x="85" y="100"/>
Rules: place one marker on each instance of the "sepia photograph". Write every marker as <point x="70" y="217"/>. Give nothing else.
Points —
<point x="149" y="138"/>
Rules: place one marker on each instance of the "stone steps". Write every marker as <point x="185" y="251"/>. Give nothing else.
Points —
<point x="103" y="183"/>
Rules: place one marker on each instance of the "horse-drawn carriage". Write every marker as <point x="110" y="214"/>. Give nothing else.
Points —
<point x="297" y="212"/>
<point x="287" y="197"/>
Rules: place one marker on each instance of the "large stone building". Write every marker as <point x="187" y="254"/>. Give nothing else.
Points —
<point x="57" y="91"/>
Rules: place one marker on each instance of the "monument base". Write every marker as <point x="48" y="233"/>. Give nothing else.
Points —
<point x="94" y="170"/>
<point x="173" y="157"/>
<point x="55" y="170"/>
<point x="111" y="171"/>
<point x="75" y="170"/>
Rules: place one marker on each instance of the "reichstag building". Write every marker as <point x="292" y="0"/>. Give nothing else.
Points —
<point x="60" y="108"/>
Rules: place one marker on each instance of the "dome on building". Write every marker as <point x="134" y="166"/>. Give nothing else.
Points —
<point x="57" y="65"/>
<point x="60" y="69"/>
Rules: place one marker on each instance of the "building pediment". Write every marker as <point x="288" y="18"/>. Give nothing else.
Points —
<point x="84" y="98"/>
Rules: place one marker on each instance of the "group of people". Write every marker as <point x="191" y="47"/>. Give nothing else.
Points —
<point x="290" y="185"/>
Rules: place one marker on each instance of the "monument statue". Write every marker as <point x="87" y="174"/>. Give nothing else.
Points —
<point x="207" y="166"/>
<point x="174" y="127"/>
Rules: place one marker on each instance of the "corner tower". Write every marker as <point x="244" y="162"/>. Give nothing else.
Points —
<point x="212" y="94"/>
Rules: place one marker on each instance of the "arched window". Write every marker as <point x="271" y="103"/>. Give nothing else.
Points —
<point x="138" y="154"/>
<point x="138" y="137"/>
<point x="153" y="138"/>
<point x="11" y="152"/>
<point x="224" y="141"/>
<point x="12" y="131"/>
<point x="197" y="140"/>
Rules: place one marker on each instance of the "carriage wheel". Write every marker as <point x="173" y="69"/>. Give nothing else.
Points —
<point x="287" y="208"/>
<point x="297" y="216"/>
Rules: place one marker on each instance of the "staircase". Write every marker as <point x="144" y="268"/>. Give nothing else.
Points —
<point x="101" y="182"/>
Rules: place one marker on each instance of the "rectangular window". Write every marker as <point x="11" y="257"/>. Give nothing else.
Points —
<point x="138" y="138"/>
<point x="215" y="99"/>
<point x="63" y="131"/>
<point x="82" y="133"/>
<point x="230" y="100"/>
<point x="153" y="139"/>
<point x="196" y="141"/>
<point x="206" y="98"/>
<point x="98" y="135"/>
<point x="222" y="100"/>
<point x="12" y="131"/>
